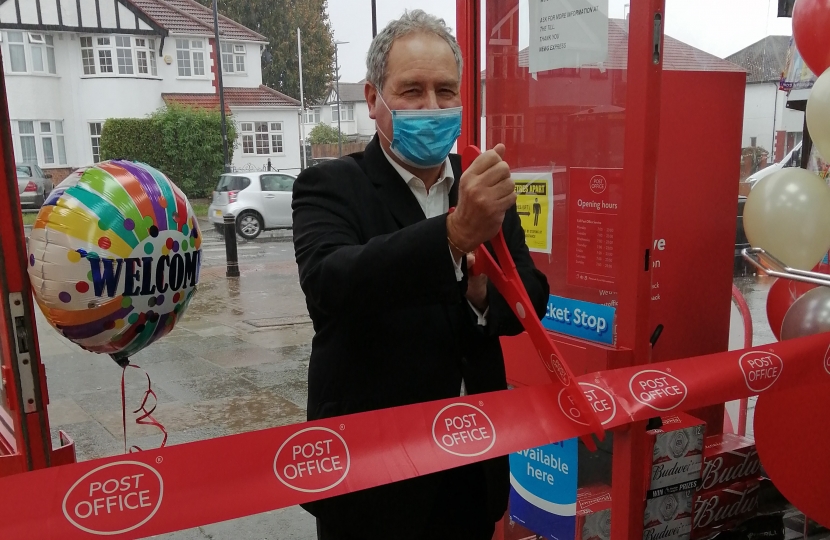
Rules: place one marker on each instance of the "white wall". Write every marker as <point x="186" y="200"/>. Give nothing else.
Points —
<point x="759" y="112"/>
<point x="765" y="112"/>
<point x="289" y="160"/>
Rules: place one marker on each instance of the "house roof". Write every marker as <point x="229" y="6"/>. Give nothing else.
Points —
<point x="234" y="97"/>
<point x="764" y="60"/>
<point x="678" y="56"/>
<point x="351" y="92"/>
<point x="191" y="17"/>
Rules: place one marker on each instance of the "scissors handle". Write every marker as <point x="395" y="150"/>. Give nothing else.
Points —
<point x="508" y="282"/>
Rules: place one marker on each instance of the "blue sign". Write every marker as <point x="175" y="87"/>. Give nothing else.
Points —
<point x="543" y="489"/>
<point x="584" y="320"/>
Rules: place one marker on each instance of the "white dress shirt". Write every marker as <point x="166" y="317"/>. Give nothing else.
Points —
<point x="435" y="202"/>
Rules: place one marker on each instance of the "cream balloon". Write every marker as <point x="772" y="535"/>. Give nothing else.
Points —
<point x="788" y="215"/>
<point x="818" y="114"/>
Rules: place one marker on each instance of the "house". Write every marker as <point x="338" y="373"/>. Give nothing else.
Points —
<point x="768" y="122"/>
<point x="71" y="65"/>
<point x="355" y="121"/>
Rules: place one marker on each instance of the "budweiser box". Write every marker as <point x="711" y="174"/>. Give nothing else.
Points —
<point x="669" y="517"/>
<point x="724" y="507"/>
<point x="677" y="455"/>
<point x="728" y="459"/>
<point x="593" y="513"/>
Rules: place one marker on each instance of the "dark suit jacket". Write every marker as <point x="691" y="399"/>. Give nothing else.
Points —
<point x="393" y="327"/>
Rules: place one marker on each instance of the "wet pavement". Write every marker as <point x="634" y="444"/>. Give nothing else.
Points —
<point x="236" y="362"/>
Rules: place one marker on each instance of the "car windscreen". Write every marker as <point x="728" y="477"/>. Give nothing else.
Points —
<point x="24" y="171"/>
<point x="232" y="183"/>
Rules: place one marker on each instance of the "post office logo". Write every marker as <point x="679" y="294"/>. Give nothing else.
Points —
<point x="114" y="498"/>
<point x="657" y="389"/>
<point x="600" y="399"/>
<point x="312" y="460"/>
<point x="463" y="430"/>
<point x="598" y="184"/>
<point x="827" y="361"/>
<point x="554" y="365"/>
<point x="761" y="369"/>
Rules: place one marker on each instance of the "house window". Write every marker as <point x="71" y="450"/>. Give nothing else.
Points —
<point x="42" y="142"/>
<point x="87" y="55"/>
<point x="190" y="55"/>
<point x="312" y="116"/>
<point x="233" y="58"/>
<point x="95" y="137"/>
<point x="132" y="55"/>
<point x="348" y="112"/>
<point x="31" y="50"/>
<point x="262" y="138"/>
<point x="124" y="52"/>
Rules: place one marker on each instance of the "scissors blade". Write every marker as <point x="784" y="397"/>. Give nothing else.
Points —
<point x="506" y="279"/>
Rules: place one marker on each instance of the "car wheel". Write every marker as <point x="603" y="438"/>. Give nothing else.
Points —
<point x="248" y="225"/>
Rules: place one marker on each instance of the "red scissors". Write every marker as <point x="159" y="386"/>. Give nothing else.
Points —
<point x="506" y="279"/>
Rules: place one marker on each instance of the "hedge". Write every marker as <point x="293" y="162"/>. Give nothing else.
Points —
<point x="185" y="143"/>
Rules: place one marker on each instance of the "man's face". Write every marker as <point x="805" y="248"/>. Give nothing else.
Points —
<point x="421" y="73"/>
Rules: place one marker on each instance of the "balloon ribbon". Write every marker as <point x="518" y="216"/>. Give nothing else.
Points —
<point x="146" y="417"/>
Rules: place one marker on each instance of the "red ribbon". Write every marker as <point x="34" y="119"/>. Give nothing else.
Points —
<point x="146" y="419"/>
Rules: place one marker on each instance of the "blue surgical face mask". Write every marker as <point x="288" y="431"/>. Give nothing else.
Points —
<point x="423" y="138"/>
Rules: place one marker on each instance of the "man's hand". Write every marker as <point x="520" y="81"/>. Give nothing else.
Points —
<point x="484" y="195"/>
<point x="476" y="286"/>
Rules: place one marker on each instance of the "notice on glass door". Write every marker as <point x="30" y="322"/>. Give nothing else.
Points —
<point x="567" y="33"/>
<point x="594" y="201"/>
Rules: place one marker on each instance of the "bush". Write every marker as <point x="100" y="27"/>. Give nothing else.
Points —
<point x="184" y="143"/>
<point x="323" y="134"/>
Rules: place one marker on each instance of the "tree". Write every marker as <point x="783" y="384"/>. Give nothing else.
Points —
<point x="278" y="20"/>
<point x="323" y="134"/>
<point x="182" y="142"/>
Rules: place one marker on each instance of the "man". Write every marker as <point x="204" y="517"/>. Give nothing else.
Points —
<point x="397" y="317"/>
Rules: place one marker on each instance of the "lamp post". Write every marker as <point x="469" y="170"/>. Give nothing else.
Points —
<point x="221" y="86"/>
<point x="337" y="89"/>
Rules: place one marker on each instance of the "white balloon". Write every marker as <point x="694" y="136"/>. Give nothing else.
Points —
<point x="818" y="114"/>
<point x="788" y="215"/>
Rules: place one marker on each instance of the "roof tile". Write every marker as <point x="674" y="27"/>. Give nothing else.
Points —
<point x="191" y="17"/>
<point x="234" y="97"/>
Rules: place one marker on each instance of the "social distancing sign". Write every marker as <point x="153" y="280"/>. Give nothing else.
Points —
<point x="534" y="204"/>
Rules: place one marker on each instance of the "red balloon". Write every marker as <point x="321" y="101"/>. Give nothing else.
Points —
<point x="782" y="295"/>
<point x="811" y="19"/>
<point x="792" y="436"/>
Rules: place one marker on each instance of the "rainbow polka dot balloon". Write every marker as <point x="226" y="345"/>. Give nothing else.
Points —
<point x="114" y="257"/>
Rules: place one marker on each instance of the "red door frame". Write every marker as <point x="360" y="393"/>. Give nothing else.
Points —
<point x="23" y="374"/>
<point x="641" y="144"/>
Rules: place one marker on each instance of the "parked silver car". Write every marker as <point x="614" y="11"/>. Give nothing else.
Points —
<point x="33" y="185"/>
<point x="258" y="200"/>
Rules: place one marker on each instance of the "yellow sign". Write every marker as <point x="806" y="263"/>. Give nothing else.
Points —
<point x="534" y="204"/>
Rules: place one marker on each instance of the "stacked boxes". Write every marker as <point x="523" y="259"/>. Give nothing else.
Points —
<point x="729" y="491"/>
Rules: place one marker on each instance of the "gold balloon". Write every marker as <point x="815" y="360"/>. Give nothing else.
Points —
<point x="818" y="114"/>
<point x="788" y="215"/>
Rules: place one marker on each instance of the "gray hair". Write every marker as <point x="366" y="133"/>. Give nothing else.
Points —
<point x="410" y="22"/>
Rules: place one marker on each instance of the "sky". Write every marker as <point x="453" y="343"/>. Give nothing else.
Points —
<point x="719" y="27"/>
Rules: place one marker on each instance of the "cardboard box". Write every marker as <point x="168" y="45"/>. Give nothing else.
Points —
<point x="593" y="513"/>
<point x="725" y="507"/>
<point x="669" y="517"/>
<point x="728" y="459"/>
<point x="677" y="455"/>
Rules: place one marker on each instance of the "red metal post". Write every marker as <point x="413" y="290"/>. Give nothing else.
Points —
<point x="23" y="373"/>
<point x="468" y="32"/>
<point x="645" y="64"/>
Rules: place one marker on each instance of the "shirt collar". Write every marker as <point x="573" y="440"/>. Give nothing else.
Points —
<point x="408" y="177"/>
